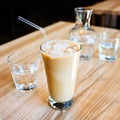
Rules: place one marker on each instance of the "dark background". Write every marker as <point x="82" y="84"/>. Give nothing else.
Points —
<point x="41" y="12"/>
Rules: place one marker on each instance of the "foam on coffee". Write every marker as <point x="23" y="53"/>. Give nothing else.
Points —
<point x="59" y="47"/>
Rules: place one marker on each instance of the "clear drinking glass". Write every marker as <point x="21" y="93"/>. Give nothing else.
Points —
<point x="108" y="46"/>
<point x="24" y="69"/>
<point x="82" y="33"/>
<point x="61" y="59"/>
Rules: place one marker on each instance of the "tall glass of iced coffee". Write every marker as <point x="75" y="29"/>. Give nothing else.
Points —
<point x="61" y="59"/>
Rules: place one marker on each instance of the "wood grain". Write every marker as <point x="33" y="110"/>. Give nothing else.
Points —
<point x="97" y="93"/>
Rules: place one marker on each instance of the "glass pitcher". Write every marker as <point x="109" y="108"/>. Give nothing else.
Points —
<point x="82" y="33"/>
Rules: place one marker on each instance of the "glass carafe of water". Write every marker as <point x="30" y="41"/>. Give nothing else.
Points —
<point x="82" y="33"/>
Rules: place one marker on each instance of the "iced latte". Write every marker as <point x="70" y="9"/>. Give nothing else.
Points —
<point x="61" y="59"/>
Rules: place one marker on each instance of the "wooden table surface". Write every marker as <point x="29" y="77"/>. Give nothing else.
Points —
<point x="97" y="93"/>
<point x="107" y="7"/>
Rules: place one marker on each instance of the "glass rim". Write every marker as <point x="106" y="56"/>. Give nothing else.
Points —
<point x="43" y="51"/>
<point x="106" y="35"/>
<point x="83" y="8"/>
<point x="15" y="54"/>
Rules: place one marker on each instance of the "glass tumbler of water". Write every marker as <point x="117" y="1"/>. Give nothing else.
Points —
<point x="108" y="46"/>
<point x="24" y="68"/>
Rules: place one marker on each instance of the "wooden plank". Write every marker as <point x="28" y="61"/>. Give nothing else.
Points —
<point x="107" y="7"/>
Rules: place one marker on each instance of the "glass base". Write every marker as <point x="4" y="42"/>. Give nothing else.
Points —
<point x="60" y="105"/>
<point x="26" y="88"/>
<point x="107" y="58"/>
<point x="85" y="57"/>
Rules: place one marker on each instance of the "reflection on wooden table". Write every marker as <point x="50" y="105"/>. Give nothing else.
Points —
<point x="97" y="93"/>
